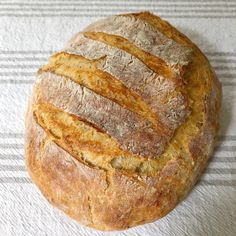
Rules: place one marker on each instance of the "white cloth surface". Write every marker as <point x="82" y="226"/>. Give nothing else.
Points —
<point x="30" y="31"/>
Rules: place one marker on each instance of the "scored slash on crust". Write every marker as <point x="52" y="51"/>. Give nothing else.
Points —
<point x="86" y="73"/>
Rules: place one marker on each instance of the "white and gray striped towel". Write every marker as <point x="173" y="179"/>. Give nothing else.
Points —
<point x="31" y="30"/>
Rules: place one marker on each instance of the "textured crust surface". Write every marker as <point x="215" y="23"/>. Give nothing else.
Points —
<point x="110" y="139"/>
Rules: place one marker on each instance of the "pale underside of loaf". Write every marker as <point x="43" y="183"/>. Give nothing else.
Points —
<point x="129" y="108"/>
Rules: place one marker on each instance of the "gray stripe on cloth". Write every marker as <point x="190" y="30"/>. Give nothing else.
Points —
<point x="23" y="59"/>
<point x="11" y="135"/>
<point x="14" y="81"/>
<point x="182" y="4"/>
<point x="11" y="145"/>
<point x="117" y="9"/>
<point x="221" y="171"/>
<point x="12" y="168"/>
<point x="18" y="73"/>
<point x="218" y="182"/>
<point x="11" y="157"/>
<point x="18" y="180"/>
<point x="96" y="15"/>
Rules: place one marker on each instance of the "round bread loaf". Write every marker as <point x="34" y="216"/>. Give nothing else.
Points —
<point x="122" y="122"/>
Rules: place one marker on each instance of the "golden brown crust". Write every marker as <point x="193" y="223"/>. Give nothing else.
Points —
<point x="153" y="62"/>
<point x="86" y="73"/>
<point x="135" y="75"/>
<point x="85" y="172"/>
<point x="133" y="132"/>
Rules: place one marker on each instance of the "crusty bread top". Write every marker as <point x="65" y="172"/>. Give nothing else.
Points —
<point x="113" y="100"/>
<point x="124" y="78"/>
<point x="120" y="127"/>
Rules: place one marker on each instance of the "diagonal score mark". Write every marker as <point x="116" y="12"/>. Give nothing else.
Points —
<point x="155" y="63"/>
<point x="77" y="68"/>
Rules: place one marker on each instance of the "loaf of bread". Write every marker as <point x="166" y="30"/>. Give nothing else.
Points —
<point x="122" y="122"/>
